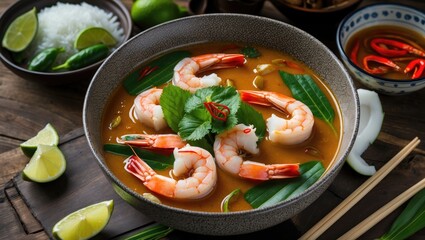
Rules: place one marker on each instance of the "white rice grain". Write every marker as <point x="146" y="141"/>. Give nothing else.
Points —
<point x="60" y="24"/>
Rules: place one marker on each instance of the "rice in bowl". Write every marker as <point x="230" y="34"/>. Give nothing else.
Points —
<point x="60" y="24"/>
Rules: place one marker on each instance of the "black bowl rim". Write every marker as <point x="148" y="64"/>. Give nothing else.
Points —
<point x="330" y="173"/>
<point x="127" y="34"/>
<point x="342" y="50"/>
<point x="319" y="10"/>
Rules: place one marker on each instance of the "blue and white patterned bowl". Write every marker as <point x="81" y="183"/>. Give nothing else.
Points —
<point x="375" y="15"/>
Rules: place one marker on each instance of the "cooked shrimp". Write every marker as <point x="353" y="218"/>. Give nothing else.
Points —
<point x="294" y="129"/>
<point x="229" y="147"/>
<point x="194" y="162"/>
<point x="148" y="110"/>
<point x="185" y="71"/>
<point x="164" y="143"/>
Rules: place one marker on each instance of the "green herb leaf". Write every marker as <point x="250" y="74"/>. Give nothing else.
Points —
<point x="249" y="116"/>
<point x="230" y="198"/>
<point x="195" y="125"/>
<point x="154" y="160"/>
<point x="250" y="52"/>
<point x="155" y="232"/>
<point x="172" y="101"/>
<point x="272" y="192"/>
<point x="304" y="89"/>
<point x="198" y="122"/>
<point x="157" y="72"/>
<point x="224" y="95"/>
<point x="411" y="220"/>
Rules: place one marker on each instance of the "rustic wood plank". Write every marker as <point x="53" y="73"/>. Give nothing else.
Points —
<point x="406" y="174"/>
<point x="29" y="223"/>
<point x="11" y="227"/>
<point x="11" y="163"/>
<point x="82" y="184"/>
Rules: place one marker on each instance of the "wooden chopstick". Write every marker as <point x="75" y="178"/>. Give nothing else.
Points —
<point x="359" y="193"/>
<point x="370" y="221"/>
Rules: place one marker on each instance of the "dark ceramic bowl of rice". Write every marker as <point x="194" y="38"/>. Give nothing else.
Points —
<point x="209" y="28"/>
<point x="59" y="23"/>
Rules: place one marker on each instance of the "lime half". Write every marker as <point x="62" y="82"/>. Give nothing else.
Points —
<point x="92" y="36"/>
<point x="84" y="223"/>
<point x="47" y="164"/>
<point x="46" y="136"/>
<point x="21" y="31"/>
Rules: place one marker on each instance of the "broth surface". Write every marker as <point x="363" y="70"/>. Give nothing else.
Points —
<point x="323" y="145"/>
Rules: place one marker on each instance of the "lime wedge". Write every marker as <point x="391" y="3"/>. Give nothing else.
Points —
<point x="92" y="36"/>
<point x="84" y="223"/>
<point x="21" y="31"/>
<point x="46" y="136"/>
<point x="47" y="164"/>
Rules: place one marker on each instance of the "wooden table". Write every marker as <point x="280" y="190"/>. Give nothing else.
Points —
<point x="27" y="106"/>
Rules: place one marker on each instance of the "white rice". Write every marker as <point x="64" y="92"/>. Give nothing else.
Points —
<point x="60" y="24"/>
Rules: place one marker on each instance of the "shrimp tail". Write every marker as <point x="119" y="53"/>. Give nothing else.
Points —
<point x="254" y="97"/>
<point x="157" y="183"/>
<point x="227" y="61"/>
<point x="161" y="143"/>
<point x="138" y="168"/>
<point x="259" y="171"/>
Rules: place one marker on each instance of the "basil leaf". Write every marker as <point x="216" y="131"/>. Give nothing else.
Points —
<point x="250" y="52"/>
<point x="274" y="191"/>
<point x="155" y="232"/>
<point x="411" y="220"/>
<point x="227" y="96"/>
<point x="195" y="125"/>
<point x="249" y="116"/>
<point x="224" y="95"/>
<point x="198" y="98"/>
<point x="162" y="70"/>
<point x="154" y="160"/>
<point x="198" y="122"/>
<point x="172" y="101"/>
<point x="304" y="89"/>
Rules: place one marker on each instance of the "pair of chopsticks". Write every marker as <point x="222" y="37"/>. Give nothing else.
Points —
<point x="360" y="192"/>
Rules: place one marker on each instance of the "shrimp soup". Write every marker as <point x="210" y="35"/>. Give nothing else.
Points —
<point x="255" y="83"/>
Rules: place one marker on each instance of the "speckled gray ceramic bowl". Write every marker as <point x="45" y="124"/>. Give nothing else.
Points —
<point x="233" y="28"/>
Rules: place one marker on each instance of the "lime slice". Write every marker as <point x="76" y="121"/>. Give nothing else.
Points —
<point x="21" y="31"/>
<point x="84" y="223"/>
<point x="47" y="164"/>
<point x="46" y="136"/>
<point x="92" y="36"/>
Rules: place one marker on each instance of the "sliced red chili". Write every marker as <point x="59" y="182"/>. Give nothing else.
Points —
<point x="393" y="48"/>
<point x="418" y="65"/>
<point x="354" y="52"/>
<point x="146" y="71"/>
<point x="381" y="60"/>
<point x="218" y="111"/>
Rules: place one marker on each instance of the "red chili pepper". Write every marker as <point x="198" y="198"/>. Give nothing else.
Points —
<point x="381" y="60"/>
<point x="418" y="65"/>
<point x="218" y="111"/>
<point x="146" y="71"/>
<point x="382" y="46"/>
<point x="354" y="52"/>
<point x="247" y="130"/>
